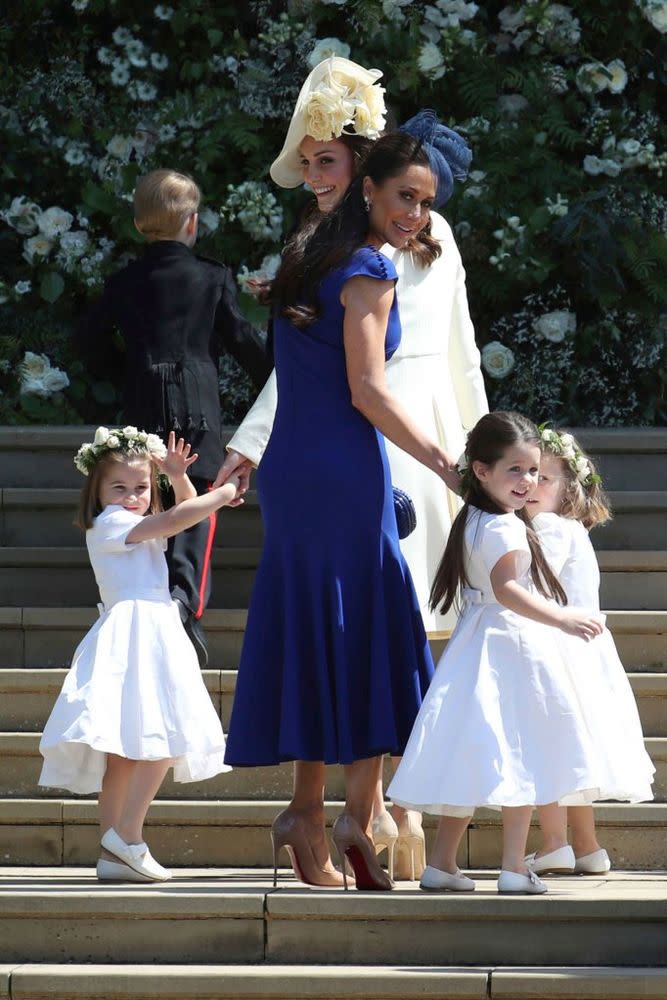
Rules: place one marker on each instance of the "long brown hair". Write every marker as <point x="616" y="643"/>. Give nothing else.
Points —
<point x="89" y="501"/>
<point x="487" y="442"/>
<point x="323" y="243"/>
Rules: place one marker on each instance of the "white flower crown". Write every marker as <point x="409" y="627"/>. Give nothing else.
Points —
<point x="564" y="446"/>
<point x="127" y="439"/>
<point x="339" y="102"/>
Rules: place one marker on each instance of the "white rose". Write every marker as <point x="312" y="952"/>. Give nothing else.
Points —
<point x="611" y="167"/>
<point x="591" y="78"/>
<point x="102" y="435"/>
<point x="592" y="165"/>
<point x="326" y="47"/>
<point x="619" y="76"/>
<point x="155" y="445"/>
<point x="22" y="216"/>
<point x="582" y="469"/>
<point x="568" y="454"/>
<point x="567" y="440"/>
<point x="629" y="147"/>
<point x="430" y="61"/>
<point x="54" y="221"/>
<point x="554" y="326"/>
<point x="130" y="431"/>
<point x="113" y="441"/>
<point x="36" y="247"/>
<point x="142" y="437"/>
<point x="549" y="435"/>
<point x="497" y="360"/>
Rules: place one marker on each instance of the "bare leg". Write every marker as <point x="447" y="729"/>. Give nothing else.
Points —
<point x="553" y="823"/>
<point x="361" y="780"/>
<point x="378" y="798"/>
<point x="447" y="841"/>
<point x="145" y="780"/>
<point x="516" y="822"/>
<point x="113" y="795"/>
<point x="308" y="802"/>
<point x="582" y="825"/>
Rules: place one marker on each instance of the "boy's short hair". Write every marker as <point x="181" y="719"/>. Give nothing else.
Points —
<point x="163" y="200"/>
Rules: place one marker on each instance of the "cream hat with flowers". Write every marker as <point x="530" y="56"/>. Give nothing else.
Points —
<point x="338" y="96"/>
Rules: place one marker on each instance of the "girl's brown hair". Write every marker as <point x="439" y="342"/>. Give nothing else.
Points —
<point x="325" y="242"/>
<point x="487" y="442"/>
<point x="89" y="501"/>
<point x="588" y="502"/>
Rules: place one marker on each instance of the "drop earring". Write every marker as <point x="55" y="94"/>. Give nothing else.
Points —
<point x="367" y="203"/>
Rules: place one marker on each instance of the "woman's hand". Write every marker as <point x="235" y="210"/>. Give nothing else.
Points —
<point x="177" y="460"/>
<point x="260" y="289"/>
<point x="575" y="621"/>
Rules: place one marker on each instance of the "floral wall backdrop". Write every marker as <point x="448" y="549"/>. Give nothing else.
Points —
<point x="562" y="223"/>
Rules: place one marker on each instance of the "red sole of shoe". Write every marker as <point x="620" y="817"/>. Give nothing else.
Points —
<point x="363" y="877"/>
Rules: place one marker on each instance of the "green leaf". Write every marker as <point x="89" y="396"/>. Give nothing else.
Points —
<point x="51" y="286"/>
<point x="99" y="200"/>
<point x="215" y="36"/>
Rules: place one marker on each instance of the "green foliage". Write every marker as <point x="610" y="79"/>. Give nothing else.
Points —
<point x="95" y="93"/>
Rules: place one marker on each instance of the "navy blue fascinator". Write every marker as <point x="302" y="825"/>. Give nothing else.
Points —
<point x="447" y="151"/>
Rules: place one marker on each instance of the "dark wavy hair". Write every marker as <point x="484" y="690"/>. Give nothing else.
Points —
<point x="487" y="442"/>
<point x="325" y="242"/>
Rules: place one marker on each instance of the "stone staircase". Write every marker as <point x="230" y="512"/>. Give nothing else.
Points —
<point x="228" y="933"/>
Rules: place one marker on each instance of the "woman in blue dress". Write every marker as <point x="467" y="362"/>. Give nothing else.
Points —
<point x="335" y="660"/>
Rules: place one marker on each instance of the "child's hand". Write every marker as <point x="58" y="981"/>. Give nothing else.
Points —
<point x="177" y="460"/>
<point x="574" y="621"/>
<point x="240" y="480"/>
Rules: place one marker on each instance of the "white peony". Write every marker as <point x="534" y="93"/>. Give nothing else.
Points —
<point x="555" y="326"/>
<point x="54" y="380"/>
<point x="38" y="378"/>
<point x="618" y="76"/>
<point x="511" y="20"/>
<point x="430" y="61"/>
<point x="101" y="436"/>
<point x="34" y="365"/>
<point x="497" y="360"/>
<point x="22" y="215"/>
<point x="54" y="222"/>
<point x="327" y="47"/>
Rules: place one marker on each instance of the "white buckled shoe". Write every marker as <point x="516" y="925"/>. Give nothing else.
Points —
<point x="135" y="856"/>
<point x="558" y="862"/>
<point x="435" y="880"/>
<point x="597" y="863"/>
<point x="528" y="884"/>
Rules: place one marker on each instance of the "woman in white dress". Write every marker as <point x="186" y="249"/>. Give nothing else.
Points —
<point x="133" y="703"/>
<point x="435" y="374"/>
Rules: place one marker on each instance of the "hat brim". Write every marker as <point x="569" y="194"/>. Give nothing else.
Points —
<point x="286" y="169"/>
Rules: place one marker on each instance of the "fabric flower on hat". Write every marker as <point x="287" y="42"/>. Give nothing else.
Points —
<point x="340" y="103"/>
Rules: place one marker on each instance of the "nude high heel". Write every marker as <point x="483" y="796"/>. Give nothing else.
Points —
<point x="385" y="834"/>
<point x="288" y="830"/>
<point x="410" y="847"/>
<point x="352" y="842"/>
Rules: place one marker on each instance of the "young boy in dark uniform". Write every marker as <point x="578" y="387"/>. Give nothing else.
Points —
<point x="175" y="312"/>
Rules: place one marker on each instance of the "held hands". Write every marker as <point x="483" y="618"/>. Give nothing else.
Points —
<point x="177" y="460"/>
<point x="235" y="472"/>
<point x="575" y="621"/>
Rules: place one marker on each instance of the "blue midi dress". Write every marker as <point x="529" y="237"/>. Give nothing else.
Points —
<point x="335" y="660"/>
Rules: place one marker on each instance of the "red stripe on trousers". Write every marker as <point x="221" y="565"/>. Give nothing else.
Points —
<point x="212" y="521"/>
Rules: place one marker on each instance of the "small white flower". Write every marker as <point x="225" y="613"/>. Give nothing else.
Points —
<point x="101" y="436"/>
<point x="497" y="360"/>
<point x="477" y="175"/>
<point x="130" y="431"/>
<point x="120" y="146"/>
<point x="430" y="61"/>
<point x="208" y="220"/>
<point x="75" y="243"/>
<point x="74" y="155"/>
<point x="558" y="207"/>
<point x="120" y="74"/>
<point x="163" y="13"/>
<point x="113" y="441"/>
<point x="146" y="91"/>
<point x="592" y="165"/>
<point x="591" y="78"/>
<point x="122" y="36"/>
<point x="105" y="56"/>
<point x="511" y="105"/>
<point x="23" y="287"/>
<point x="166" y="133"/>
<point x="567" y="440"/>
<point x="159" y="61"/>
<point x="327" y="47"/>
<point x="628" y="147"/>
<point x="79" y="5"/>
<point x="611" y="167"/>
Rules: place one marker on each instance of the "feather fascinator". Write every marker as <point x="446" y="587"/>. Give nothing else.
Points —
<point x="447" y="151"/>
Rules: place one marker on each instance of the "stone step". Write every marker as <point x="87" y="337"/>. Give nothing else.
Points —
<point x="62" y="577"/>
<point x="65" y="832"/>
<point x="31" y="456"/>
<point x="236" y="917"/>
<point x="27" y="696"/>
<point x="21" y="763"/>
<point x="344" y="982"/>
<point x="46" y="637"/>
<point x="33" y="517"/>
<point x="44" y="517"/>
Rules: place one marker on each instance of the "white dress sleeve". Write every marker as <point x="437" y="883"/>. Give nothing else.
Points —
<point x="501" y="534"/>
<point x="112" y="527"/>
<point x="464" y="356"/>
<point x="555" y="538"/>
<point x="253" y="433"/>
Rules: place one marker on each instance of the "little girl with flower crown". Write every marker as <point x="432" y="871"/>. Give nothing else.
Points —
<point x="133" y="703"/>
<point x="567" y="503"/>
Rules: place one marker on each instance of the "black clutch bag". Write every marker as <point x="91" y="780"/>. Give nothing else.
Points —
<point x="406" y="517"/>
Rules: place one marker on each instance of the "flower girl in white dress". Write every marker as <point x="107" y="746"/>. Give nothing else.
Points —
<point x="133" y="703"/>
<point x="566" y="505"/>
<point x="501" y="725"/>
